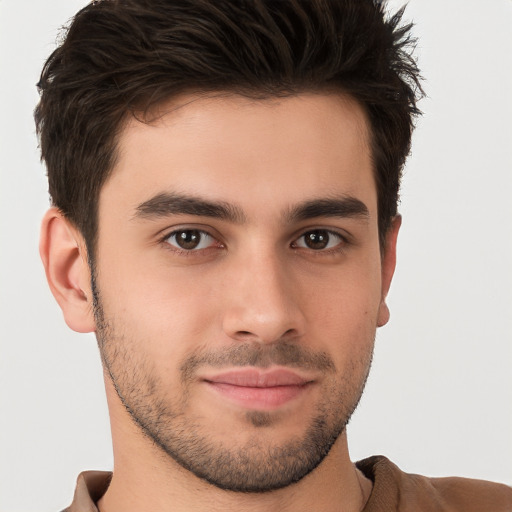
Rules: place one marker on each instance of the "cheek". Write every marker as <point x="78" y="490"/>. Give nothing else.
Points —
<point x="164" y="312"/>
<point x="342" y="314"/>
<point x="350" y="294"/>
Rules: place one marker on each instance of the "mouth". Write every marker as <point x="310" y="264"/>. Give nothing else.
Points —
<point x="259" y="390"/>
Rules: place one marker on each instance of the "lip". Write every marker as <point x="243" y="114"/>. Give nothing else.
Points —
<point x="256" y="389"/>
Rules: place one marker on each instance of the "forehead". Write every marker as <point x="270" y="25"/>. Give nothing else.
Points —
<point x="260" y="154"/>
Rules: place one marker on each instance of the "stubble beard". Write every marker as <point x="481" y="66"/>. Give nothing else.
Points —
<point x="255" y="466"/>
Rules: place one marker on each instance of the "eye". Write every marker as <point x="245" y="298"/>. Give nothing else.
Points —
<point x="319" y="239"/>
<point x="190" y="239"/>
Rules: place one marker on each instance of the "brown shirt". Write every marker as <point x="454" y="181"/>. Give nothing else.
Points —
<point x="393" y="491"/>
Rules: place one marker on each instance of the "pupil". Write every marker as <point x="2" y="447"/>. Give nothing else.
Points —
<point x="317" y="239"/>
<point x="188" y="239"/>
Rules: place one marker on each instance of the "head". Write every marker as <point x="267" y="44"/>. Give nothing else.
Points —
<point x="231" y="172"/>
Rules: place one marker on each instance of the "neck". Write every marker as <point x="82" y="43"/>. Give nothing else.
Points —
<point x="147" y="479"/>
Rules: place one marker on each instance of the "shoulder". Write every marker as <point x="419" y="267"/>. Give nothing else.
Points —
<point x="394" y="489"/>
<point x="478" y="494"/>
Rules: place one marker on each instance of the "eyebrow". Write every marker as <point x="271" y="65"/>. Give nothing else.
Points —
<point x="165" y="204"/>
<point x="342" y="207"/>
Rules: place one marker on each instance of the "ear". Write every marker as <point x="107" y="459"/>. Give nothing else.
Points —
<point x="64" y="256"/>
<point x="388" y="263"/>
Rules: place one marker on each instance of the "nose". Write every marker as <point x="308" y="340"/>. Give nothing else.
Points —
<point x="263" y="303"/>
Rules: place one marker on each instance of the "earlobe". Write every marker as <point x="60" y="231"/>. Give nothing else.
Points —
<point x="388" y="268"/>
<point x="64" y="258"/>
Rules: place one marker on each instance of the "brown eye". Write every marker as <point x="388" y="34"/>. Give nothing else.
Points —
<point x="319" y="239"/>
<point x="190" y="239"/>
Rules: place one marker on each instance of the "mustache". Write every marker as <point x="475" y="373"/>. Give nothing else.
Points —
<point x="258" y="355"/>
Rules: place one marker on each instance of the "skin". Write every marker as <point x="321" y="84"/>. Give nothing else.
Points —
<point x="253" y="283"/>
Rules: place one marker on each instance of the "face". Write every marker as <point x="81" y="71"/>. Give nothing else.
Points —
<point x="239" y="281"/>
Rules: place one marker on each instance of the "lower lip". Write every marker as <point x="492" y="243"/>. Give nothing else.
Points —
<point x="267" y="398"/>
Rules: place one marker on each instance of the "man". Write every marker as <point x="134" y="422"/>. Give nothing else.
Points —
<point x="225" y="178"/>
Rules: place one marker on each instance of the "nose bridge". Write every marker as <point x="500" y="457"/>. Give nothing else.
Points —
<point x="262" y="305"/>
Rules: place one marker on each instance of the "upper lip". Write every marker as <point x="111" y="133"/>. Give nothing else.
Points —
<point x="257" y="378"/>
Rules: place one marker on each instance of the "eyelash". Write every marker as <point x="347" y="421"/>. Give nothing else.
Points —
<point x="189" y="252"/>
<point x="338" y="248"/>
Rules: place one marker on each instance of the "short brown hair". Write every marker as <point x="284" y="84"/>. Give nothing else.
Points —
<point x="120" y="57"/>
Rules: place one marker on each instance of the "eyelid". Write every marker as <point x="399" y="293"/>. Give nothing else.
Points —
<point x="204" y="230"/>
<point x="169" y="230"/>
<point x="203" y="234"/>
<point x="344" y="239"/>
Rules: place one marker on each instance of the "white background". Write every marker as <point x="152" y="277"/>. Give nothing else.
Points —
<point x="439" y="400"/>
